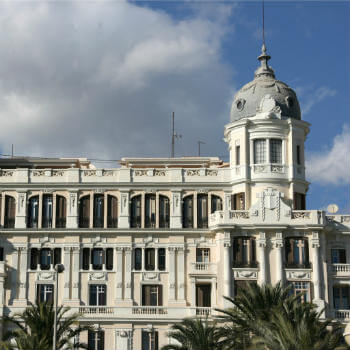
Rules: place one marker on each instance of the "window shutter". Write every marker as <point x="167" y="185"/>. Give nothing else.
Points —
<point x="33" y="258"/>
<point x="109" y="258"/>
<point x="160" y="295"/>
<point x="57" y="256"/>
<point x="342" y="256"/>
<point x="86" y="258"/>
<point x="306" y="251"/>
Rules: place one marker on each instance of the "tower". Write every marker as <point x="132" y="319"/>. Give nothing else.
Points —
<point x="266" y="140"/>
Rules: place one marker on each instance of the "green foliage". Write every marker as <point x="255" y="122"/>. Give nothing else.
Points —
<point x="194" y="334"/>
<point x="33" y="329"/>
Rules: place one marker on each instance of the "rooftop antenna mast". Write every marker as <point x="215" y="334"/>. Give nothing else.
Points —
<point x="263" y="22"/>
<point x="199" y="147"/>
<point x="174" y="136"/>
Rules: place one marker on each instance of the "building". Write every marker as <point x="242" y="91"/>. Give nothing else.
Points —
<point x="160" y="239"/>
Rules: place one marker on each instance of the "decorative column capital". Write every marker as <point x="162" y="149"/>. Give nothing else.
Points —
<point x="261" y="242"/>
<point x="278" y="243"/>
<point x="315" y="243"/>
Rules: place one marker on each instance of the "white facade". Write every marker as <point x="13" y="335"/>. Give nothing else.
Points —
<point x="157" y="240"/>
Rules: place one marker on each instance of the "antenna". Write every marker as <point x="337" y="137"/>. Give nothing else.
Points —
<point x="174" y="136"/>
<point x="199" y="147"/>
<point x="263" y="22"/>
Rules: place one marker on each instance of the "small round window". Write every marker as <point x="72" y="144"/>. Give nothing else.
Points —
<point x="240" y="104"/>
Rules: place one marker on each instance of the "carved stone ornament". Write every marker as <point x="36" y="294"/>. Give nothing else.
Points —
<point x="301" y="215"/>
<point x="172" y="285"/>
<point x="246" y="274"/>
<point x="56" y="173"/>
<point x="298" y="275"/>
<point x="6" y="173"/>
<point x="38" y="172"/>
<point x="212" y="172"/>
<point x="46" y="276"/>
<point x="107" y="172"/>
<point x="98" y="276"/>
<point x="150" y="276"/>
<point x="193" y="172"/>
<point x="89" y="172"/>
<point x="158" y="172"/>
<point x="140" y="172"/>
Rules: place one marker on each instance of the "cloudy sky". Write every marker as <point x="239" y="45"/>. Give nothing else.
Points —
<point x="100" y="79"/>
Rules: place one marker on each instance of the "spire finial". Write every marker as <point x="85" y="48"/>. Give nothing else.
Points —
<point x="263" y="22"/>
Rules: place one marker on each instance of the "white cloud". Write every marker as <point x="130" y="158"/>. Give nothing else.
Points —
<point x="332" y="166"/>
<point x="310" y="96"/>
<point x="101" y="79"/>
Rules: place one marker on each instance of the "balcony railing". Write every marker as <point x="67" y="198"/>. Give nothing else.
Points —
<point x="203" y="311"/>
<point x="46" y="222"/>
<point x="150" y="221"/>
<point x="32" y="223"/>
<point x="60" y="222"/>
<point x="112" y="222"/>
<point x="340" y="268"/>
<point x="203" y="267"/>
<point x="92" y="310"/>
<point x="164" y="221"/>
<point x="243" y="264"/>
<point x="150" y="310"/>
<point x="9" y="222"/>
<point x="341" y="314"/>
<point x="292" y="265"/>
<point x="135" y="221"/>
<point x="187" y="222"/>
<point x="98" y="221"/>
<point x="202" y="223"/>
<point x="84" y="222"/>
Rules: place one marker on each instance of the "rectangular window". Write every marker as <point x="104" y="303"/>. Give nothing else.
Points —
<point x="259" y="151"/>
<point x="161" y="259"/>
<point x="86" y="258"/>
<point x="238" y="201"/>
<point x="302" y="288"/>
<point x="45" y="259"/>
<point x="97" y="295"/>
<point x="298" y="155"/>
<point x="299" y="202"/>
<point x="45" y="293"/>
<point x="149" y="340"/>
<point x="297" y="253"/>
<point x="276" y="151"/>
<point x="152" y="295"/>
<point x="97" y="258"/>
<point x="138" y="259"/>
<point x="238" y="155"/>
<point x="341" y="296"/>
<point x="338" y="256"/>
<point x="202" y="255"/>
<point x="203" y="292"/>
<point x="96" y="340"/>
<point x="149" y="259"/>
<point x="244" y="252"/>
<point x="109" y="259"/>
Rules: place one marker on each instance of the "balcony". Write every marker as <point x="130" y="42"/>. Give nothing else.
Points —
<point x="203" y="268"/>
<point x="46" y="222"/>
<point x="112" y="222"/>
<point x="341" y="315"/>
<point x="60" y="222"/>
<point x="339" y="270"/>
<point x="84" y="222"/>
<point x="228" y="217"/>
<point x="9" y="222"/>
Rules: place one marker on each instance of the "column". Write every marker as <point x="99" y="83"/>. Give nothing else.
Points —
<point x="67" y="276"/>
<point x="262" y="259"/>
<point x="156" y="259"/>
<point x="23" y="265"/>
<point x="75" y="273"/>
<point x="227" y="273"/>
<point x="193" y="292"/>
<point x="91" y="216"/>
<point x="21" y="221"/>
<point x="119" y="274"/>
<point x="171" y="268"/>
<point x="105" y="209"/>
<point x="143" y="259"/>
<point x="123" y="220"/>
<point x="128" y="274"/>
<point x="2" y="212"/>
<point x="195" y="210"/>
<point x="176" y="210"/>
<point x="213" y="301"/>
<point x="54" y="210"/>
<point x="316" y="269"/>
<point x="40" y="216"/>
<point x="143" y="195"/>
<point x="157" y="210"/>
<point x="278" y="245"/>
<point x="72" y="210"/>
<point x="181" y="274"/>
<point x="2" y="293"/>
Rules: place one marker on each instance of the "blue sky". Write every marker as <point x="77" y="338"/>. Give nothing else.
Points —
<point x="100" y="79"/>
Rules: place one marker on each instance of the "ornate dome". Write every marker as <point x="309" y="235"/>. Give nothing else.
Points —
<point x="247" y="100"/>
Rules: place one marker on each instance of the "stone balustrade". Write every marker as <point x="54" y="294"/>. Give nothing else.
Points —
<point x="340" y="270"/>
<point x="203" y="268"/>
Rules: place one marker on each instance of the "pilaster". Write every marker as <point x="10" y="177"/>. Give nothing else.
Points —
<point x="123" y="221"/>
<point x="21" y="210"/>
<point x="175" y="210"/>
<point x="72" y="210"/>
<point x="261" y="243"/>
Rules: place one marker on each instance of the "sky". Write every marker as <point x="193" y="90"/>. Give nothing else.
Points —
<point x="100" y="79"/>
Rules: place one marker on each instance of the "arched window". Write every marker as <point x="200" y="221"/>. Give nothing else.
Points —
<point x="164" y="211"/>
<point x="297" y="252"/>
<point x="98" y="210"/>
<point x="187" y="212"/>
<point x="84" y="212"/>
<point x="46" y="219"/>
<point x="61" y="211"/>
<point x="135" y="211"/>
<point x="202" y="211"/>
<point x="244" y="252"/>
<point x="33" y="212"/>
<point x="150" y="210"/>
<point x="112" y="211"/>
<point x="216" y="203"/>
<point x="10" y="212"/>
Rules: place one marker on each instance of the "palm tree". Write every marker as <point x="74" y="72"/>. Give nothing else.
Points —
<point x="34" y="328"/>
<point x="270" y="318"/>
<point x="194" y="334"/>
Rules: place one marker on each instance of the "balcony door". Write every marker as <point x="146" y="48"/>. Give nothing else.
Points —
<point x="152" y="295"/>
<point x="203" y="295"/>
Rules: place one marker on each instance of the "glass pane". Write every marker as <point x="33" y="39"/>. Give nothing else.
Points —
<point x="276" y="151"/>
<point x="259" y="151"/>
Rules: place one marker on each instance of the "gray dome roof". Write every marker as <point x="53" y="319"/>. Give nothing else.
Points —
<point x="247" y="99"/>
